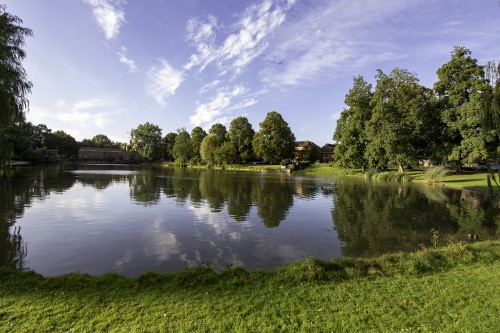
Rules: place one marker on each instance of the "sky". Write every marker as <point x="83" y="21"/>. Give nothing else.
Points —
<point x="106" y="66"/>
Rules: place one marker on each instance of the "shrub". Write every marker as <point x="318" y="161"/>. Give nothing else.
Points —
<point x="434" y="174"/>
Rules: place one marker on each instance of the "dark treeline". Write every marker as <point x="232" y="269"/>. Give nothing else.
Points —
<point x="403" y="122"/>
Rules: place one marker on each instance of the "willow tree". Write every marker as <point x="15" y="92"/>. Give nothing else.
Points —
<point x="14" y="84"/>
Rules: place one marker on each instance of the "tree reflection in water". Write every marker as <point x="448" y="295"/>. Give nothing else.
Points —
<point x="372" y="218"/>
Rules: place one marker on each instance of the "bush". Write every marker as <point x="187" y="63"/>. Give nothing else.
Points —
<point x="434" y="174"/>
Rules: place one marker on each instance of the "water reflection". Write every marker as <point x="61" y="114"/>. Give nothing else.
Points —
<point x="373" y="219"/>
<point x="133" y="219"/>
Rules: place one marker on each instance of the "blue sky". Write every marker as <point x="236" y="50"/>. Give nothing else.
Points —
<point x="106" y="66"/>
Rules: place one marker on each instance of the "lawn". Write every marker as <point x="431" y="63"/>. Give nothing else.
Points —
<point x="452" y="289"/>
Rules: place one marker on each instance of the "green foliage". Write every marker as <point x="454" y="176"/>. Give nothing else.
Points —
<point x="434" y="174"/>
<point x="146" y="139"/>
<point x="226" y="154"/>
<point x="168" y="146"/>
<point x="197" y="135"/>
<point x="63" y="142"/>
<point x="102" y="141"/>
<point x="241" y="134"/>
<point x="208" y="149"/>
<point x="219" y="131"/>
<point x="183" y="149"/>
<point x="350" y="131"/>
<point x="14" y="87"/>
<point x="460" y="86"/>
<point x="402" y="116"/>
<point x="424" y="291"/>
<point x="274" y="141"/>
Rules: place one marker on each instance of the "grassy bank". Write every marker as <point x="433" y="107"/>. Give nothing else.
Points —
<point x="467" y="179"/>
<point x="453" y="289"/>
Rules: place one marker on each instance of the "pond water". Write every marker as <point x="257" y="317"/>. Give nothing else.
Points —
<point x="128" y="219"/>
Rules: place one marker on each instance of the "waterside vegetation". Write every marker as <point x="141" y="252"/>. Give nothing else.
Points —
<point x="437" y="289"/>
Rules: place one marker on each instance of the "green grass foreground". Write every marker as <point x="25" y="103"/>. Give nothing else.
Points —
<point x="451" y="289"/>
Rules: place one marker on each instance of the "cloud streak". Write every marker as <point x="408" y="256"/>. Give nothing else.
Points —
<point x="122" y="57"/>
<point x="163" y="82"/>
<point x="240" y="48"/>
<point x="109" y="16"/>
<point x="333" y="36"/>
<point x="217" y="109"/>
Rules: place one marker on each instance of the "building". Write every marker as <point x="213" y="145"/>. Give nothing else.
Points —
<point x="102" y="154"/>
<point x="306" y="151"/>
<point x="327" y="153"/>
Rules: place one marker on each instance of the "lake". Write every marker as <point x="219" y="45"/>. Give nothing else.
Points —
<point x="95" y="219"/>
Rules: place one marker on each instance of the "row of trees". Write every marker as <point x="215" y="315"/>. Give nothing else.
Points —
<point x="274" y="142"/>
<point x="403" y="122"/>
<point x="26" y="141"/>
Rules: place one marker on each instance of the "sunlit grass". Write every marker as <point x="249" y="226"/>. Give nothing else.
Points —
<point x="453" y="289"/>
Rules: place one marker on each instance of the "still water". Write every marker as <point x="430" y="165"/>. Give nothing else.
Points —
<point x="114" y="218"/>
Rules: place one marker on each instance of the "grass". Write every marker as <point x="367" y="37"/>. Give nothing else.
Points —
<point x="451" y="289"/>
<point x="476" y="180"/>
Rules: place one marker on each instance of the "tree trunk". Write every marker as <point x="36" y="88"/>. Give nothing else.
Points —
<point x="400" y="168"/>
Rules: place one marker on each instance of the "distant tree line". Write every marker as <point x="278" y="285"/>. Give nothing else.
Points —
<point x="403" y="122"/>
<point x="273" y="142"/>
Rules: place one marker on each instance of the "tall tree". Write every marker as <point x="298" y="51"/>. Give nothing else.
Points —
<point x="146" y="139"/>
<point x="168" y="145"/>
<point x="241" y="134"/>
<point x="219" y="131"/>
<point x="350" y="131"/>
<point x="459" y="88"/>
<point x="183" y="148"/>
<point x="102" y="141"/>
<point x="401" y="119"/>
<point x="197" y="135"/>
<point x="274" y="141"/>
<point x="63" y="142"/>
<point x="14" y="84"/>
<point x="208" y="148"/>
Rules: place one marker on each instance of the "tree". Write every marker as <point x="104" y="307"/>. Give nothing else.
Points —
<point x="146" y="139"/>
<point x="219" y="131"/>
<point x="208" y="148"/>
<point x="183" y="148"/>
<point x="275" y="141"/>
<point x="197" y="135"/>
<point x="225" y="153"/>
<point x="168" y="145"/>
<point x="350" y="131"/>
<point x="490" y="122"/>
<point x="102" y="141"/>
<point x="14" y="84"/>
<point x="64" y="143"/>
<point x="459" y="88"/>
<point x="241" y="134"/>
<point x="401" y="119"/>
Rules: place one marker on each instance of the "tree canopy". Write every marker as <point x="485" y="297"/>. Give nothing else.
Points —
<point x="241" y="134"/>
<point x="350" y="131"/>
<point x="14" y="83"/>
<point x="274" y="141"/>
<point x="146" y="139"/>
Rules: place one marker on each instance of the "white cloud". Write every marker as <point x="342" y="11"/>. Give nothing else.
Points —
<point x="333" y="36"/>
<point x="109" y="16"/>
<point x="221" y="104"/>
<point x="122" y="57"/>
<point x="240" y="48"/>
<point x="81" y="119"/>
<point x="163" y="82"/>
